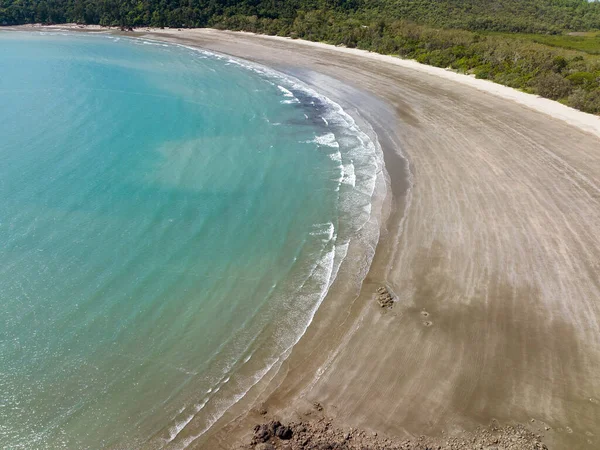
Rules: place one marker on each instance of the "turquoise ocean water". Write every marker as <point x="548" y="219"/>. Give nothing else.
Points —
<point x="169" y="222"/>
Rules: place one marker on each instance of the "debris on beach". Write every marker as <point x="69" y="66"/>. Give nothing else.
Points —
<point x="384" y="298"/>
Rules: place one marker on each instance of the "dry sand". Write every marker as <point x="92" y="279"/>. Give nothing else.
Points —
<point x="494" y="255"/>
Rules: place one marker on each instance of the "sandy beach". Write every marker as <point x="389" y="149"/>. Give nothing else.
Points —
<point x="489" y="242"/>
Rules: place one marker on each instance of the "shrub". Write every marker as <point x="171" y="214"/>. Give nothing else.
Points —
<point x="588" y="101"/>
<point x="559" y="63"/>
<point x="552" y="85"/>
<point x="586" y="80"/>
<point x="484" y="71"/>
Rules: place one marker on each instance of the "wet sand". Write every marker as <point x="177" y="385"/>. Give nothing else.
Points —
<point x="493" y="254"/>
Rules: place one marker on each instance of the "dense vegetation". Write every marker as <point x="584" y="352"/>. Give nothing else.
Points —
<point x="525" y="16"/>
<point x="472" y="36"/>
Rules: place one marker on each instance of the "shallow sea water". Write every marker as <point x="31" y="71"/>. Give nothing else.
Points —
<point x="170" y="220"/>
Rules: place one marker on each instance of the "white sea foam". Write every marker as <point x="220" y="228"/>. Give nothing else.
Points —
<point x="326" y="140"/>
<point x="290" y="96"/>
<point x="200" y="406"/>
<point x="349" y="175"/>
<point x="326" y="229"/>
<point x="176" y="429"/>
<point x="55" y="33"/>
<point x="286" y="92"/>
<point x="155" y="43"/>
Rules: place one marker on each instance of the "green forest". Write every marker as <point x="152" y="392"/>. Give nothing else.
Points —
<point x="548" y="47"/>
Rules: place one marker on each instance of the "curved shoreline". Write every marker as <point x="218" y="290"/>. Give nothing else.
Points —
<point x="498" y="249"/>
<point x="194" y="438"/>
<point x="358" y="242"/>
<point x="498" y="187"/>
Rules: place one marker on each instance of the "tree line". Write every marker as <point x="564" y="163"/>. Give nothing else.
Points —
<point x="526" y="16"/>
<point x="385" y="26"/>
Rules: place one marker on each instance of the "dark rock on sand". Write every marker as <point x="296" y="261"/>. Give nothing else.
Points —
<point x="384" y="298"/>
<point x="284" y="433"/>
<point x="273" y="429"/>
<point x="262" y="433"/>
